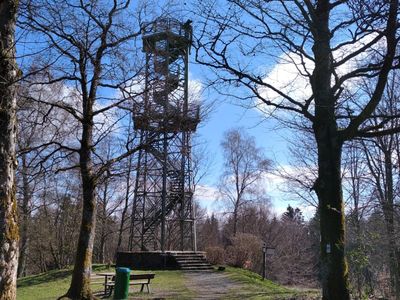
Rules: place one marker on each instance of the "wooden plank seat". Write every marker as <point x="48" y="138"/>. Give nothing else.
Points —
<point x="96" y="280"/>
<point x="134" y="279"/>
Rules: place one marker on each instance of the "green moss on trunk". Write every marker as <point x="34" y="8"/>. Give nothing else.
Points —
<point x="9" y="233"/>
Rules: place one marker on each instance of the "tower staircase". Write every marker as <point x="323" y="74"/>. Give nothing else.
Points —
<point x="191" y="261"/>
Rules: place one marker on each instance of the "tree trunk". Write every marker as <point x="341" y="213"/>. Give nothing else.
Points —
<point x="102" y="247"/>
<point x="235" y="220"/>
<point x="103" y="224"/>
<point x="80" y="283"/>
<point x="26" y="199"/>
<point x="126" y="204"/>
<point x="9" y="234"/>
<point x="334" y="272"/>
<point x="328" y="186"/>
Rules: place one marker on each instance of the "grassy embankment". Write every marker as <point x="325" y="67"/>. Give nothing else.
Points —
<point x="255" y="288"/>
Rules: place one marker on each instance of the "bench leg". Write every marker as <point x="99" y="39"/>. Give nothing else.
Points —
<point x="110" y="291"/>
<point x="147" y="287"/>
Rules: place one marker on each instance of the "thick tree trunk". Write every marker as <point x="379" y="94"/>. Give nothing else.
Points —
<point x="9" y="234"/>
<point x="80" y="283"/>
<point x="334" y="273"/>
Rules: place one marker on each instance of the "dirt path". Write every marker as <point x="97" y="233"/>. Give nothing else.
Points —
<point x="210" y="285"/>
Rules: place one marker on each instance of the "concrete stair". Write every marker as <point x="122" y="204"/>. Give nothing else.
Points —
<point x="192" y="261"/>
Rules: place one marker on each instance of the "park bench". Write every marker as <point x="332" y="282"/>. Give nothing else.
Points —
<point x="134" y="279"/>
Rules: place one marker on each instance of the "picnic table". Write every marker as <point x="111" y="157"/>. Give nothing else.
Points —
<point x="108" y="277"/>
<point x="143" y="279"/>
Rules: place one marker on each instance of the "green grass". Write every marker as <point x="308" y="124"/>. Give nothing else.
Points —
<point x="53" y="284"/>
<point x="166" y="284"/>
<point x="49" y="285"/>
<point x="254" y="287"/>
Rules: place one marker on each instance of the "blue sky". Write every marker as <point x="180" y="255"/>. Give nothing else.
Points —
<point x="227" y="114"/>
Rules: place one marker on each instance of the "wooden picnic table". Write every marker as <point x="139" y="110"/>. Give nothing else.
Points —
<point x="107" y="278"/>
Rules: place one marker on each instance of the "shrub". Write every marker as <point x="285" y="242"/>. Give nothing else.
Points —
<point x="215" y="255"/>
<point x="245" y="251"/>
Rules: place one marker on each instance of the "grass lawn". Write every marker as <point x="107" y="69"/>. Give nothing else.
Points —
<point x="166" y="284"/>
<point x="254" y="287"/>
<point x="52" y="284"/>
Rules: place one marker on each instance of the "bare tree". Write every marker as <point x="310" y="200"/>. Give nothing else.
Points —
<point x="328" y="46"/>
<point x="374" y="182"/>
<point x="35" y="121"/>
<point x="52" y="226"/>
<point x="89" y="48"/>
<point x="294" y="259"/>
<point x="128" y="193"/>
<point x="359" y="191"/>
<point x="381" y="155"/>
<point x="9" y="234"/>
<point x="244" y="167"/>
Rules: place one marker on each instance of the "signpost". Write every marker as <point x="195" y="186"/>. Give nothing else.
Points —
<point x="266" y="251"/>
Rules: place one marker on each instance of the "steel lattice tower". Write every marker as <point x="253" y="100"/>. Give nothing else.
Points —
<point x="162" y="211"/>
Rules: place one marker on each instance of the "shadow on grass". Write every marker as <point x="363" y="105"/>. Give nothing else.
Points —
<point x="50" y="276"/>
<point x="43" y="278"/>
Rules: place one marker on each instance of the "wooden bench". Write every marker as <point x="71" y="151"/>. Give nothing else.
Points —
<point x="134" y="279"/>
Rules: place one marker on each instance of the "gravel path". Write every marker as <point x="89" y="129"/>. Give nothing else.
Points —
<point x="210" y="285"/>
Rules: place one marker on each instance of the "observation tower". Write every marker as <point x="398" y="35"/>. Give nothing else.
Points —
<point x="162" y="212"/>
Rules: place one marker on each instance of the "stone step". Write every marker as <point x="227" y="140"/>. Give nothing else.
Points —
<point x="189" y="260"/>
<point x="186" y="252"/>
<point x="205" y="268"/>
<point x="192" y="261"/>
<point x="189" y="256"/>
<point x="196" y="266"/>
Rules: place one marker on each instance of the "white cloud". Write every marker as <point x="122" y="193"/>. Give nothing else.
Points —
<point x="54" y="123"/>
<point x="206" y="193"/>
<point x="290" y="74"/>
<point x="195" y="91"/>
<point x="207" y="196"/>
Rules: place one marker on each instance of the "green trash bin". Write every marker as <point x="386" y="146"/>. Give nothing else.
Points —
<point x="121" y="283"/>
